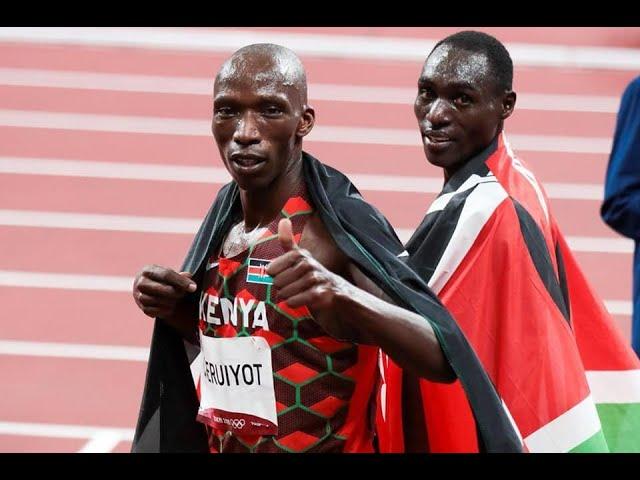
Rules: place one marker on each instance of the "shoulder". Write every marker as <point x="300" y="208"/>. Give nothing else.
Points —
<point x="336" y="189"/>
<point x="634" y="87"/>
<point x="319" y="242"/>
<point x="474" y="204"/>
<point x="487" y="213"/>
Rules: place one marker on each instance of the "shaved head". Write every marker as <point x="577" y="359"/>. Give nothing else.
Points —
<point x="265" y="63"/>
<point x="261" y="114"/>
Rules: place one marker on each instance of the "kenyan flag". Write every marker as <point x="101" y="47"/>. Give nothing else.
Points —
<point x="611" y="366"/>
<point x="257" y="271"/>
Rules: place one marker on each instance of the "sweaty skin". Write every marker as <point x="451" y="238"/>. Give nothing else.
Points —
<point x="459" y="108"/>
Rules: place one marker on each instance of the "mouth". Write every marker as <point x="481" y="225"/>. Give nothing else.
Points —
<point x="436" y="142"/>
<point x="247" y="163"/>
<point x="436" y="136"/>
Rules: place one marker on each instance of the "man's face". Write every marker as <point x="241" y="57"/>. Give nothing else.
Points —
<point x="458" y="108"/>
<point x="258" y="121"/>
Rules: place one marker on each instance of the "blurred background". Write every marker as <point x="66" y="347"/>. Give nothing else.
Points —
<point x="107" y="163"/>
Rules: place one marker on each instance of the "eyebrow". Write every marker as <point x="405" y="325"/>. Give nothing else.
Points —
<point x="464" y="85"/>
<point x="460" y="85"/>
<point x="274" y="98"/>
<point x="282" y="98"/>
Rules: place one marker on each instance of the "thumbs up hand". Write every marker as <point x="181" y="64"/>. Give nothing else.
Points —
<point x="299" y="278"/>
<point x="285" y="235"/>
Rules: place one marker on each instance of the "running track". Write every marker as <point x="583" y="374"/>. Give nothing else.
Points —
<point x="107" y="163"/>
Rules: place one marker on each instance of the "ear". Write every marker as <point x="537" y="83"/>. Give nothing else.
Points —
<point x="508" y="104"/>
<point x="307" y="120"/>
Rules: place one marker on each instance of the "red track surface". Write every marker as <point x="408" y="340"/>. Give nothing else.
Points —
<point x="106" y="393"/>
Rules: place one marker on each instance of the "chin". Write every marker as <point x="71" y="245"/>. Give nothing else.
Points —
<point x="248" y="183"/>
<point x="251" y="183"/>
<point x="446" y="162"/>
<point x="437" y="161"/>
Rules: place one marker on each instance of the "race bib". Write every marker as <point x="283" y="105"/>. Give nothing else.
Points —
<point x="236" y="383"/>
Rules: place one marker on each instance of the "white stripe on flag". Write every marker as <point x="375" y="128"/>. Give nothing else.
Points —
<point x="477" y="210"/>
<point x="513" y="422"/>
<point x="441" y="202"/>
<point x="528" y="176"/>
<point x="614" y="386"/>
<point x="567" y="431"/>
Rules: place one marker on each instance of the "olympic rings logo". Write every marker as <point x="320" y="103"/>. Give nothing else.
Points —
<point x="238" y="423"/>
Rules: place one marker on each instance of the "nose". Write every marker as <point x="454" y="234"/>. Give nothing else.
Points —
<point x="438" y="113"/>
<point x="246" y="131"/>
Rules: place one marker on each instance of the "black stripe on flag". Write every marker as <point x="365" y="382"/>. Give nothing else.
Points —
<point x="562" y="274"/>
<point x="474" y="166"/>
<point x="539" y="253"/>
<point x="430" y="240"/>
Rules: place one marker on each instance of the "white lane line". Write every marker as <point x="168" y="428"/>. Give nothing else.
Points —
<point x="576" y="243"/>
<point x="12" y="278"/>
<point x="74" y="350"/>
<point x="185" y="173"/>
<point x="97" y="221"/>
<point x="105" y="283"/>
<point x="318" y="45"/>
<point x="188" y="226"/>
<point x="601" y="244"/>
<point x="317" y="91"/>
<point x="619" y="307"/>
<point x="321" y="133"/>
<point x="102" y="442"/>
<point x="60" y="430"/>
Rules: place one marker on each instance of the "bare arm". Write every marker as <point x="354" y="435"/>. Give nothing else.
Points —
<point x="405" y="336"/>
<point x="357" y="310"/>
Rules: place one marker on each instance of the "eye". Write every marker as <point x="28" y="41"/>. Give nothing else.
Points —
<point x="223" y="112"/>
<point x="273" y="111"/>
<point x="426" y="92"/>
<point x="463" y="100"/>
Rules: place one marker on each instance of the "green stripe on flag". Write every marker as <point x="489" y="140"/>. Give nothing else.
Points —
<point x="594" y="444"/>
<point x="621" y="425"/>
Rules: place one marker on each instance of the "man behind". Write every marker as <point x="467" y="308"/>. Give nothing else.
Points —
<point x="621" y="206"/>
<point x="491" y="249"/>
<point x="290" y="287"/>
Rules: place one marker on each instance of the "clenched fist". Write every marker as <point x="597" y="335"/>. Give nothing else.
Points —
<point x="158" y="290"/>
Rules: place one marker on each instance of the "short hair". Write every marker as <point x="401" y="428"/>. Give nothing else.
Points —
<point x="480" y="42"/>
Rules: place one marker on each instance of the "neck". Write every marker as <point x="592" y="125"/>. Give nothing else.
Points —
<point x="261" y="206"/>
<point x="451" y="171"/>
<point x="485" y="151"/>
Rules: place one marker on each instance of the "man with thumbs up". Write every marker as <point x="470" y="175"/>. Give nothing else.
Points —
<point x="291" y="287"/>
